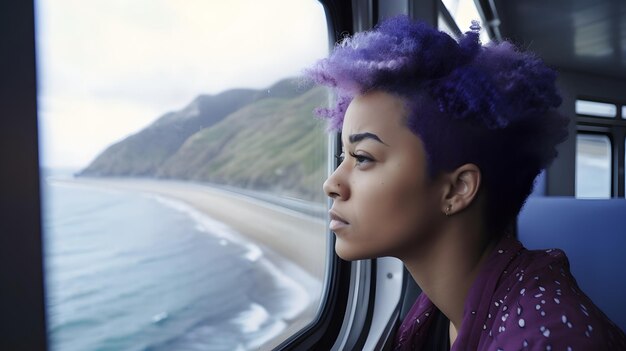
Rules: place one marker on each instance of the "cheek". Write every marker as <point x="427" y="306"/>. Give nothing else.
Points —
<point x="398" y="208"/>
<point x="408" y="205"/>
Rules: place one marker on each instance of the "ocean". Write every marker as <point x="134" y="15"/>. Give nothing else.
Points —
<point x="133" y="271"/>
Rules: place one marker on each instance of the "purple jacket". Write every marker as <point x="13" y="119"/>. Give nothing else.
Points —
<point x="521" y="300"/>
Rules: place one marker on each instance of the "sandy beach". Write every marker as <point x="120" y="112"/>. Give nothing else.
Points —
<point x="284" y="235"/>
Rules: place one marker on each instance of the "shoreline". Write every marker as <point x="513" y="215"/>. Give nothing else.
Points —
<point x="290" y="240"/>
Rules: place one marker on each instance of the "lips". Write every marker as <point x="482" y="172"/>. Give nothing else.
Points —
<point x="336" y="221"/>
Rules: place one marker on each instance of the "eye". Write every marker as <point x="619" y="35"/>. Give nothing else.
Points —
<point x="361" y="159"/>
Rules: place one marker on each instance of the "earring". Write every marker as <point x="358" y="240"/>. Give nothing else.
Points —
<point x="448" y="209"/>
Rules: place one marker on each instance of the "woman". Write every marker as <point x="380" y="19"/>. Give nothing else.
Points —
<point x="442" y="143"/>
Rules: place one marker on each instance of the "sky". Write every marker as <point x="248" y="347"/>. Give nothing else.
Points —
<point x="108" y="68"/>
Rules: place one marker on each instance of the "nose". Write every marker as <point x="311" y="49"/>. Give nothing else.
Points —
<point x="335" y="186"/>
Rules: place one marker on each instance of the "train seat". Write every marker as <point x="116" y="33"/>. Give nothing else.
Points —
<point x="593" y="235"/>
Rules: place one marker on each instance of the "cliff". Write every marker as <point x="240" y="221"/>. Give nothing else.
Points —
<point x="264" y="140"/>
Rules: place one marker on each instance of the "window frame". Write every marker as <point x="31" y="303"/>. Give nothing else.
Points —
<point x="324" y="330"/>
<point x="23" y="320"/>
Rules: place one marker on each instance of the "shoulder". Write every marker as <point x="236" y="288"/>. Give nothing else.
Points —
<point x="546" y="310"/>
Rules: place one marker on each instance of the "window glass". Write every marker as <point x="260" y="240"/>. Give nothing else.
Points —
<point x="182" y="172"/>
<point x="596" y="109"/>
<point x="443" y="26"/>
<point x="624" y="112"/>
<point x="464" y="12"/>
<point x="593" y="166"/>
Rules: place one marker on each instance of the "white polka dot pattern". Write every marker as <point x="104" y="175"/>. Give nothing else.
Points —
<point x="534" y="304"/>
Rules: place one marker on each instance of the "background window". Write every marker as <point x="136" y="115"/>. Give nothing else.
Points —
<point x="593" y="166"/>
<point x="464" y="12"/>
<point x="596" y="109"/>
<point x="443" y="26"/>
<point x="182" y="172"/>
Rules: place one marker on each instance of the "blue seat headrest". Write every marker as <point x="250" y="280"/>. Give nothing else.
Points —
<point x="593" y="235"/>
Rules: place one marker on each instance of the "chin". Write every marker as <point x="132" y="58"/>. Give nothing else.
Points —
<point x="349" y="253"/>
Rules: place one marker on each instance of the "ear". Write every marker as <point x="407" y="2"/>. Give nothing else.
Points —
<point x="460" y="188"/>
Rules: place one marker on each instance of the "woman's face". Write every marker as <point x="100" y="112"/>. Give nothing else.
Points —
<point x="384" y="203"/>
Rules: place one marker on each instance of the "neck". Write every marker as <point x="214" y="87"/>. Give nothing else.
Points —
<point x="447" y="266"/>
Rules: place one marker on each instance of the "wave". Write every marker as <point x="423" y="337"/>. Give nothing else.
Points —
<point x="109" y="303"/>
<point x="255" y="321"/>
<point x="208" y="225"/>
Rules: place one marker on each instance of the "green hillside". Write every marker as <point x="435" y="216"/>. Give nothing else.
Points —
<point x="273" y="144"/>
<point x="142" y="154"/>
<point x="264" y="140"/>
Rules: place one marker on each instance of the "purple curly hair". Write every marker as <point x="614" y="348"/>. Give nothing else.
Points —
<point x="493" y="105"/>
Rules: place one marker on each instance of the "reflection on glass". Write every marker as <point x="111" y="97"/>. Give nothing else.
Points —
<point x="443" y="26"/>
<point x="182" y="172"/>
<point x="593" y="166"/>
<point x="464" y="12"/>
<point x="594" y="108"/>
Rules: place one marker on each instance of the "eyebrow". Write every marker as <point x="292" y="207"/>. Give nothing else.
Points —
<point x="355" y="138"/>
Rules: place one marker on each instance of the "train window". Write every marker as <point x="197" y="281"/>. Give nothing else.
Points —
<point x="596" y="109"/>
<point x="182" y="172"/>
<point x="593" y="166"/>
<point x="464" y="12"/>
<point x="445" y="26"/>
<point x="624" y="112"/>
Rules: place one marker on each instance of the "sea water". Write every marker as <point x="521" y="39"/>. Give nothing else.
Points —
<point x="133" y="271"/>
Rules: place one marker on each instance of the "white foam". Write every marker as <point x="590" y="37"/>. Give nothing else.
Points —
<point x="252" y="319"/>
<point x="299" y="297"/>
<point x="302" y="291"/>
<point x="159" y="317"/>
<point x="283" y="274"/>
<point x="311" y="284"/>
<point x="210" y="225"/>
<point x="254" y="253"/>
<point x="258" y="326"/>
